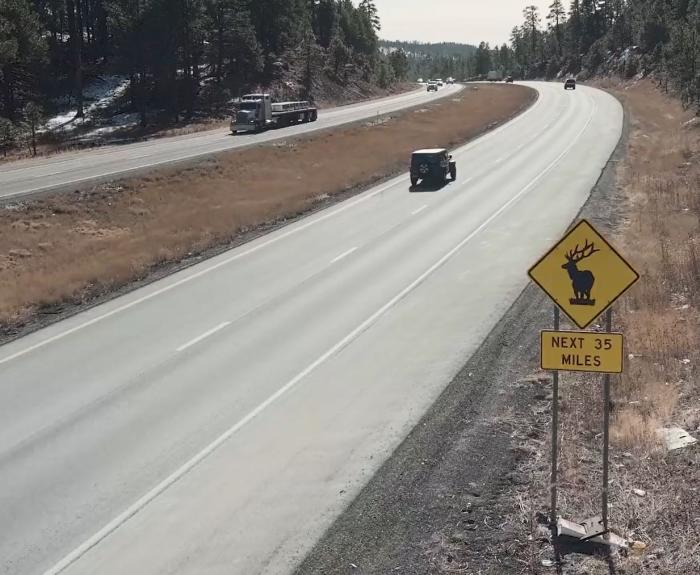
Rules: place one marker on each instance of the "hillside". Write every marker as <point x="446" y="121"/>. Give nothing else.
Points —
<point x="426" y="60"/>
<point x="159" y="62"/>
<point x="628" y="38"/>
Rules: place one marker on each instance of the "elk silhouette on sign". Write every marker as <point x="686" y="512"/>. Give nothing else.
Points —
<point x="581" y="281"/>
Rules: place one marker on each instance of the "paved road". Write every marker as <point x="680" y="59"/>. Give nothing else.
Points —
<point x="218" y="420"/>
<point x="70" y="170"/>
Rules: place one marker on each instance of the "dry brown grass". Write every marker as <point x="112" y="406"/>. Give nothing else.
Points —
<point x="74" y="247"/>
<point x="654" y="494"/>
<point x="660" y="182"/>
<point x="54" y="144"/>
<point x="661" y="316"/>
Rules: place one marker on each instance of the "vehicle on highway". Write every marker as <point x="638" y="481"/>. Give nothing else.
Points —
<point x="420" y="80"/>
<point x="450" y="80"/>
<point x="432" y="165"/>
<point x="509" y="79"/>
<point x="432" y="87"/>
<point x="570" y="84"/>
<point x="256" y="112"/>
<point x="440" y="83"/>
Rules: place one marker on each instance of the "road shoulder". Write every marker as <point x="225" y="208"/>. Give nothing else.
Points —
<point x="446" y="501"/>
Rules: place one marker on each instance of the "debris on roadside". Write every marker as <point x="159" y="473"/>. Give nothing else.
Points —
<point x="675" y="437"/>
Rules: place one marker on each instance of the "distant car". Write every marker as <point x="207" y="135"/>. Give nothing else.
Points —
<point x="440" y="82"/>
<point x="432" y="87"/>
<point x="432" y="165"/>
<point x="509" y="79"/>
<point x="420" y="80"/>
<point x="450" y="80"/>
<point x="570" y="84"/>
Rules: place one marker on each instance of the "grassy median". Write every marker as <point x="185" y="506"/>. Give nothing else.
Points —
<point x="69" y="250"/>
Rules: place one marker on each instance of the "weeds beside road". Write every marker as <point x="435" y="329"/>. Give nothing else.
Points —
<point x="654" y="496"/>
<point x="468" y="490"/>
<point x="63" y="251"/>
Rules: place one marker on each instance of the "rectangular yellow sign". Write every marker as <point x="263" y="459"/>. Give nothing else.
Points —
<point x="581" y="351"/>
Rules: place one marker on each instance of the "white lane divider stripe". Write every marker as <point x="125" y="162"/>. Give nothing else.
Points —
<point x="419" y="210"/>
<point x="343" y="255"/>
<point x="204" y="336"/>
<point x="206" y="271"/>
<point x="118" y="521"/>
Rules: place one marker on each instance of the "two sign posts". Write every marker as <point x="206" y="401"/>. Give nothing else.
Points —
<point x="584" y="276"/>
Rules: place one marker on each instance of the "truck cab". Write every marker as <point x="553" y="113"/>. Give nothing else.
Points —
<point x="253" y="113"/>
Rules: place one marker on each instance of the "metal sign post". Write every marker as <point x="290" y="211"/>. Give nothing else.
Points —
<point x="606" y="428"/>
<point x="555" y="434"/>
<point x="584" y="275"/>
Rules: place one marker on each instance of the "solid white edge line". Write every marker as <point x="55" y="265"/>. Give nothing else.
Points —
<point x="132" y="510"/>
<point x="205" y="335"/>
<point x="201" y="273"/>
<point x="419" y="210"/>
<point x="293" y="231"/>
<point x="343" y="255"/>
<point x="336" y="124"/>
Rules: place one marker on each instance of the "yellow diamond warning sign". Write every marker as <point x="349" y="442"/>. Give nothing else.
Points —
<point x="581" y="351"/>
<point x="583" y="274"/>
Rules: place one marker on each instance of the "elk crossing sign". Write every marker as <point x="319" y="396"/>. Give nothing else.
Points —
<point x="583" y="274"/>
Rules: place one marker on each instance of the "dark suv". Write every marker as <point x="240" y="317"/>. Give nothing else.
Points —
<point x="570" y="84"/>
<point x="432" y="165"/>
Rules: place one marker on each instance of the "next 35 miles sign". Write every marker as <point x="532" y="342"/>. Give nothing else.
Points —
<point x="584" y="275"/>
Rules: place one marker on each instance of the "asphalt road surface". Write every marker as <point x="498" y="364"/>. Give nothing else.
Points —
<point x="72" y="169"/>
<point x="217" y="421"/>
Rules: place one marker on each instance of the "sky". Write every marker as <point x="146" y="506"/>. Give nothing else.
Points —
<point x="463" y="21"/>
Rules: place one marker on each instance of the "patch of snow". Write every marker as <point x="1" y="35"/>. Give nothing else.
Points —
<point x="122" y="120"/>
<point x="115" y="123"/>
<point x="97" y="95"/>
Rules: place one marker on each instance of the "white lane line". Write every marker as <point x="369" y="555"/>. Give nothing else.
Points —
<point x="204" y="272"/>
<point x="467" y="180"/>
<point x="118" y="521"/>
<point x="205" y="335"/>
<point x="395" y="106"/>
<point x="419" y="210"/>
<point x="343" y="255"/>
<point x="271" y="241"/>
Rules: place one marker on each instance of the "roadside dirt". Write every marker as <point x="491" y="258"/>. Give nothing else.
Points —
<point x="64" y="252"/>
<point x="329" y="93"/>
<point x="468" y="490"/>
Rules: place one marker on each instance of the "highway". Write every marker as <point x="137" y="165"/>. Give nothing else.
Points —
<point x="217" y="421"/>
<point x="70" y="170"/>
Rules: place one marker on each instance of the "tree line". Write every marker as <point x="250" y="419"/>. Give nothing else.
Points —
<point x="179" y="55"/>
<point x="415" y="60"/>
<point x="626" y="37"/>
<point x="583" y="38"/>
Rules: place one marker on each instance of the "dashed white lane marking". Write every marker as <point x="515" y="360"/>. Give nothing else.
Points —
<point x="204" y="336"/>
<point x="343" y="255"/>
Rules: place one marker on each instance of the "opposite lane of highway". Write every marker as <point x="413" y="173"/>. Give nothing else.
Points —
<point x="218" y="420"/>
<point x="72" y="169"/>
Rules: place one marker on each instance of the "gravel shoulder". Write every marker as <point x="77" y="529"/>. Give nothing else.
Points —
<point x="450" y="499"/>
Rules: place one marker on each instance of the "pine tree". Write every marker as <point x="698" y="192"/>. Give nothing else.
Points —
<point x="531" y="28"/>
<point x="556" y="17"/>
<point x="22" y="50"/>
<point x="369" y="10"/>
